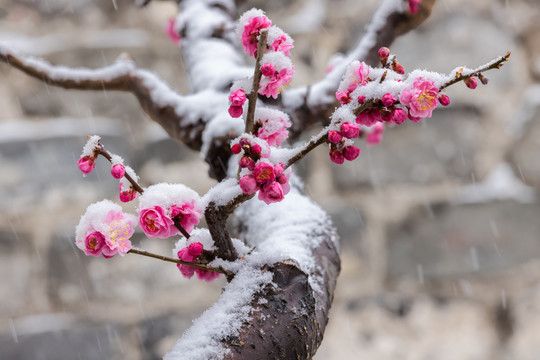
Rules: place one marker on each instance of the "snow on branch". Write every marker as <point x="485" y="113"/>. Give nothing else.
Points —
<point x="183" y="117"/>
<point x="312" y="104"/>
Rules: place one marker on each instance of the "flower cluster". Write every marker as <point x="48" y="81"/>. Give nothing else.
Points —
<point x="270" y="180"/>
<point x="163" y="207"/>
<point x="190" y="254"/>
<point x="105" y="230"/>
<point x="271" y="125"/>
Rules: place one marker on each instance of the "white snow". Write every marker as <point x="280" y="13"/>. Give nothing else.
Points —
<point x="167" y="195"/>
<point x="222" y="193"/>
<point x="500" y="184"/>
<point x="91" y="144"/>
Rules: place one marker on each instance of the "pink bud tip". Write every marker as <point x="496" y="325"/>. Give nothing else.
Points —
<point x="388" y="100"/>
<point x="361" y="99"/>
<point x="244" y="162"/>
<point x="471" y="83"/>
<point x="195" y="249"/>
<point x="444" y="100"/>
<point x="337" y="157"/>
<point x="399" y="69"/>
<point x="86" y="164"/>
<point x="235" y="111"/>
<point x="256" y="149"/>
<point x="351" y="152"/>
<point x="118" y="171"/>
<point x="236" y="148"/>
<point x="399" y="116"/>
<point x="268" y="69"/>
<point x="384" y="53"/>
<point x="343" y="97"/>
<point x="334" y="137"/>
<point x="350" y="130"/>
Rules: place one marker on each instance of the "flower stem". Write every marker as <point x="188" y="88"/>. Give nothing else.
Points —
<point x="257" y="74"/>
<point x="177" y="261"/>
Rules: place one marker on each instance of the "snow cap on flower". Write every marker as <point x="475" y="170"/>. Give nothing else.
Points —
<point x="126" y="191"/>
<point x="355" y="75"/>
<point x="278" y="40"/>
<point x="117" y="170"/>
<point x="249" y="26"/>
<point x="272" y="85"/>
<point x="272" y="125"/>
<point x="161" y="203"/>
<point x="88" y="156"/>
<point x="105" y="229"/>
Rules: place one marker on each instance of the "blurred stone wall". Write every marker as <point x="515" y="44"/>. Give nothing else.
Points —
<point x="439" y="223"/>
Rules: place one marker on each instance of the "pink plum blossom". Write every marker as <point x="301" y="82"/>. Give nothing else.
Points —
<point x="350" y="130"/>
<point x="188" y="213"/>
<point x="384" y="53"/>
<point x="471" y="83"/>
<point x="337" y="156"/>
<point x="251" y="33"/>
<point x="190" y="254"/>
<point x="344" y="97"/>
<point x="236" y="148"/>
<point x="86" y="164"/>
<point x="369" y="117"/>
<point x="399" y="116"/>
<point x="156" y="223"/>
<point x="263" y="173"/>
<point x="388" y="100"/>
<point x="334" y="137"/>
<point x="351" y="152"/>
<point x="118" y="171"/>
<point x="238" y="97"/>
<point x="274" y="130"/>
<point x="271" y="86"/>
<point x="375" y="136"/>
<point x="444" y="99"/>
<point x="171" y="31"/>
<point x="268" y="69"/>
<point x="421" y="98"/>
<point x="248" y="184"/>
<point x="93" y="243"/>
<point x="271" y="192"/>
<point x="105" y="230"/>
<point x="282" y="44"/>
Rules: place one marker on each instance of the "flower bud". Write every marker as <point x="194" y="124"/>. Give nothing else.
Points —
<point x="384" y="53"/>
<point x="268" y="69"/>
<point x="118" y="171"/>
<point x="336" y="156"/>
<point x="350" y="130"/>
<point x="471" y="83"/>
<point x="256" y="149"/>
<point x="86" y="164"/>
<point x="248" y="184"/>
<point x="195" y="249"/>
<point x="244" y="162"/>
<point x="399" y="116"/>
<point x="334" y="137"/>
<point x="236" y="148"/>
<point x="388" y="100"/>
<point x="351" y="152"/>
<point x="444" y="100"/>
<point x="235" y="111"/>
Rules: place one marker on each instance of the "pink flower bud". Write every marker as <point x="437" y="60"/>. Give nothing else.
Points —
<point x="195" y="249"/>
<point x="399" y="116"/>
<point x="282" y="179"/>
<point x="384" y="53"/>
<point x="244" y="162"/>
<point x="264" y="173"/>
<point x="444" y="100"/>
<point x="388" y="100"/>
<point x="118" y="171"/>
<point x="350" y="130"/>
<point x="243" y="142"/>
<point x="361" y="99"/>
<point x="256" y="149"/>
<point x="334" y="137"/>
<point x="351" y="152"/>
<point x="398" y="68"/>
<point x="86" y="164"/>
<point x="375" y="137"/>
<point x="236" y="148"/>
<point x="237" y="98"/>
<point x="271" y="192"/>
<point x="343" y="97"/>
<point x="268" y="70"/>
<point x="248" y="184"/>
<point x="235" y="111"/>
<point x="337" y="157"/>
<point x="278" y="170"/>
<point x="471" y="83"/>
<point x="127" y="196"/>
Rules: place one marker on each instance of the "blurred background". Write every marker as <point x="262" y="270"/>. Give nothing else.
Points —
<point x="440" y="223"/>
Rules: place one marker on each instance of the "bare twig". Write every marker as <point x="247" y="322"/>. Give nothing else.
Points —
<point x="254" y="94"/>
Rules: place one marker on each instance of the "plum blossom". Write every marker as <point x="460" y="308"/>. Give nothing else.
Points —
<point x="89" y="154"/>
<point x="270" y="180"/>
<point x="118" y="171"/>
<point x="105" y="230"/>
<point x="86" y="164"/>
<point x="280" y="41"/>
<point x="272" y="125"/>
<point x="273" y="82"/>
<point x="249" y="29"/>
<point x="190" y="254"/>
<point x="162" y="206"/>
<point x="420" y="99"/>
